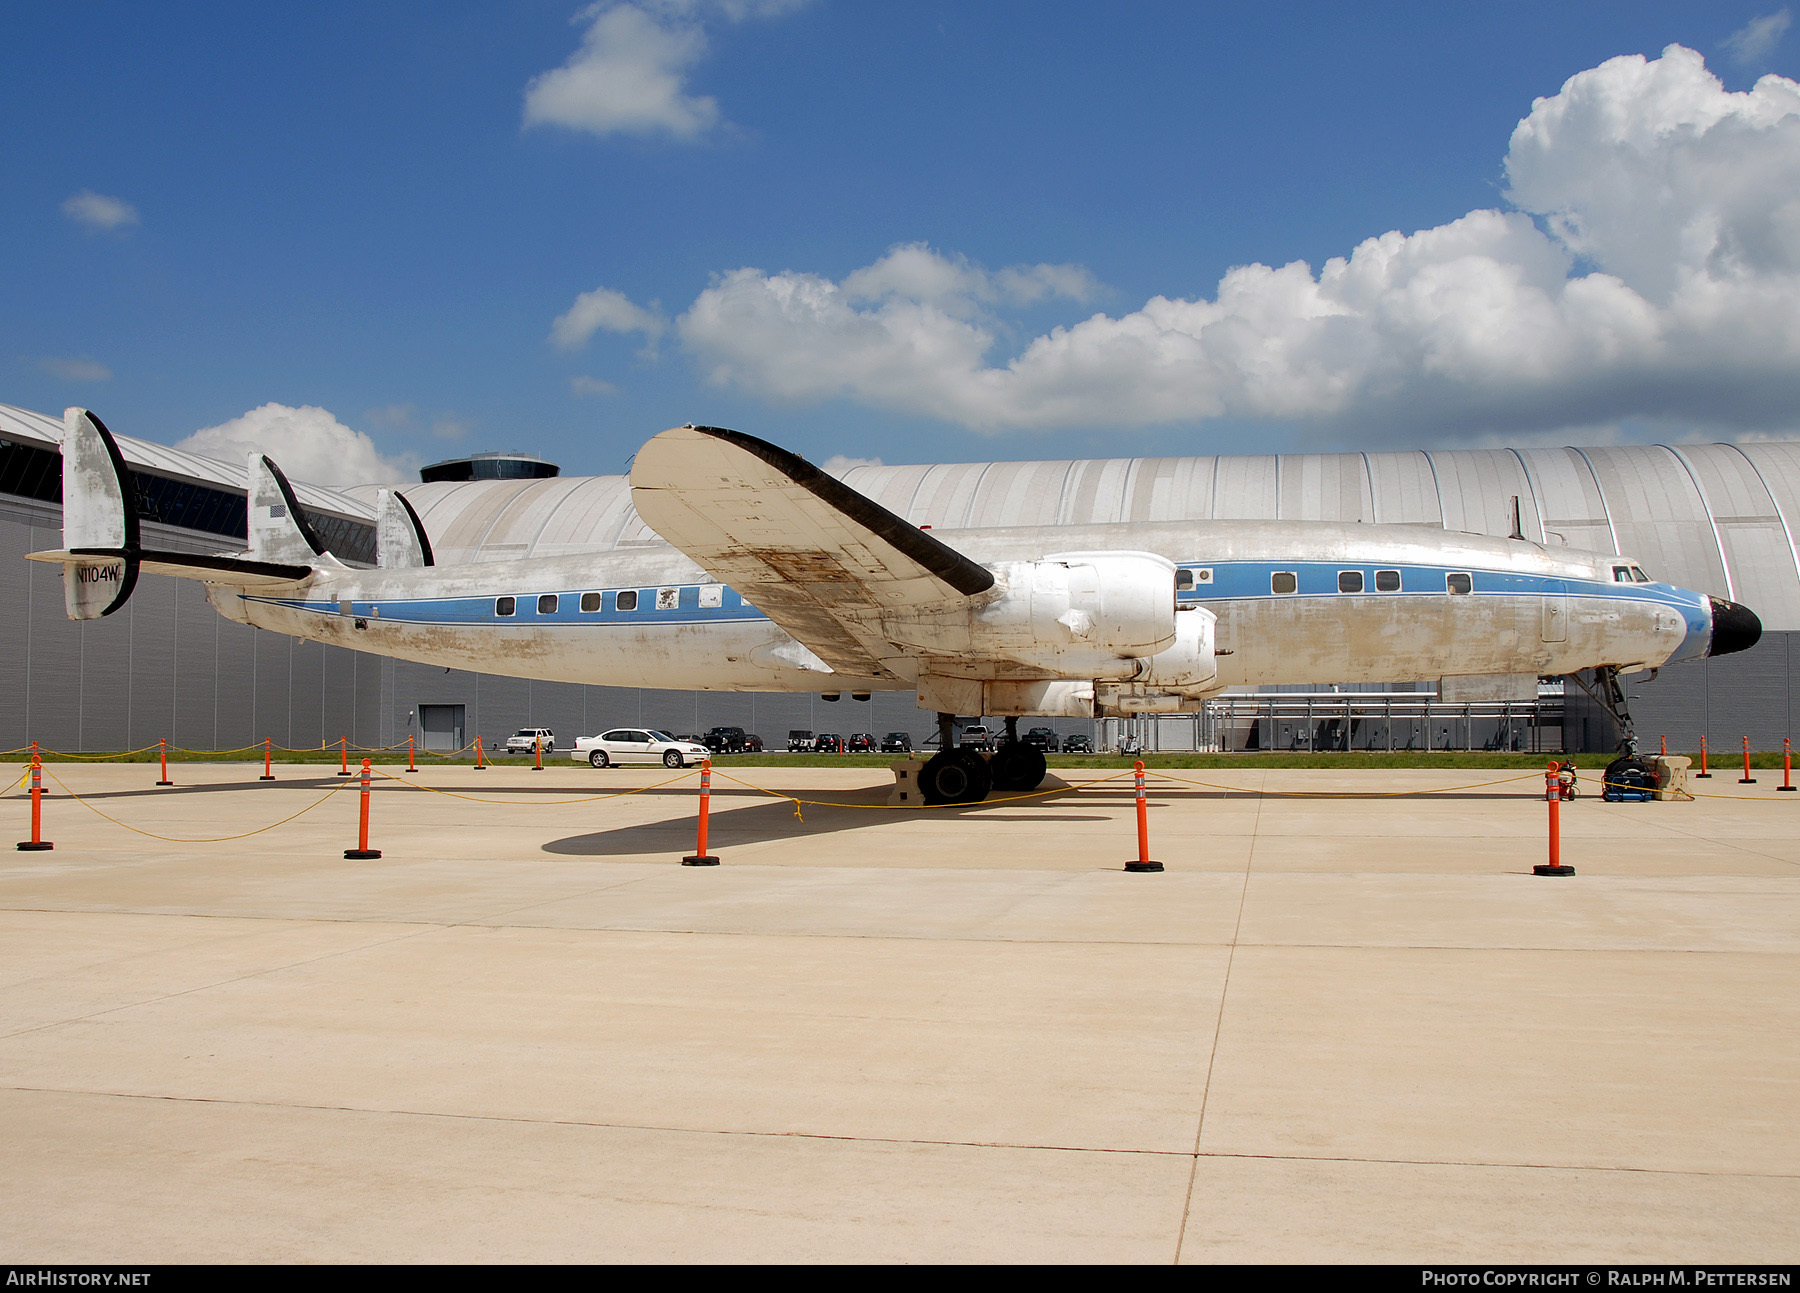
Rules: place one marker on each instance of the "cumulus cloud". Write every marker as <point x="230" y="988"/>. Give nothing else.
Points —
<point x="584" y="385"/>
<point x="630" y="74"/>
<point x="99" y="212"/>
<point x="1753" y="41"/>
<point x="75" y="370"/>
<point x="603" y="308"/>
<point x="1647" y="265"/>
<point x="839" y="463"/>
<point x="308" y="444"/>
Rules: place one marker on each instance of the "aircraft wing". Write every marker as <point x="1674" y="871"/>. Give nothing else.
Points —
<point x="821" y="560"/>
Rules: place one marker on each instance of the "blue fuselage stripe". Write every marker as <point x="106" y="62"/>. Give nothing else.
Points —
<point x="1218" y="582"/>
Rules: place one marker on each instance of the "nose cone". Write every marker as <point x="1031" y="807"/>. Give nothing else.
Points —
<point x="1735" y="628"/>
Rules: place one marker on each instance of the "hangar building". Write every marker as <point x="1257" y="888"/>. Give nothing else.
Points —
<point x="1717" y="518"/>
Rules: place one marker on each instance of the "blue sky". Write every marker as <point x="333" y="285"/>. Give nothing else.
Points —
<point x="383" y="214"/>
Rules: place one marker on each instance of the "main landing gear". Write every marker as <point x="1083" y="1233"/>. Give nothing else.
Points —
<point x="957" y="774"/>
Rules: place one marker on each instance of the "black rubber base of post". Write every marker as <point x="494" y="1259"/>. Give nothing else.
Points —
<point x="1143" y="866"/>
<point x="699" y="860"/>
<point x="1703" y="776"/>
<point x="1787" y="787"/>
<point x="35" y="846"/>
<point x="1746" y="781"/>
<point x="346" y="774"/>
<point x="359" y="855"/>
<point x="267" y="778"/>
<point x="1547" y="869"/>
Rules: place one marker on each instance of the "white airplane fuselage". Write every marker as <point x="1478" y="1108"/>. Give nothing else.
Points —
<point x="1295" y="602"/>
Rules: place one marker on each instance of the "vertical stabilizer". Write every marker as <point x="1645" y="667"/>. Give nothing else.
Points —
<point x="100" y="520"/>
<point x="400" y="539"/>
<point x="278" y="528"/>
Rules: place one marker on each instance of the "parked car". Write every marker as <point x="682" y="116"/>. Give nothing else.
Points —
<point x="862" y="742"/>
<point x="527" y="739"/>
<point x="977" y="737"/>
<point x="897" y="743"/>
<point x="1077" y="744"/>
<point x="828" y="743"/>
<point x="1044" y="738"/>
<point x="801" y="741"/>
<point x="725" y="740"/>
<point x="753" y="744"/>
<point x="637" y="745"/>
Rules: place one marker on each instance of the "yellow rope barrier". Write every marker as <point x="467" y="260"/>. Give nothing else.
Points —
<point x="911" y="808"/>
<point x="1341" y="794"/>
<point x="182" y="839"/>
<point x="537" y="803"/>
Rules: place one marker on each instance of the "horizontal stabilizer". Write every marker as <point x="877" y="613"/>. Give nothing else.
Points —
<point x="218" y="569"/>
<point x="815" y="556"/>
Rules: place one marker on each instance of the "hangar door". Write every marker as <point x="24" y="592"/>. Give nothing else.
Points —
<point x="441" y="727"/>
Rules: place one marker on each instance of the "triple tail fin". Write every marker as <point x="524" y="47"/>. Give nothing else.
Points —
<point x="400" y="539"/>
<point x="103" y="552"/>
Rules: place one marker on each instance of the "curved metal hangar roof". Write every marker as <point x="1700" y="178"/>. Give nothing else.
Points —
<point x="1717" y="518"/>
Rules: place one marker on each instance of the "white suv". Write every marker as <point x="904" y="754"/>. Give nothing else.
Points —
<point x="526" y="739"/>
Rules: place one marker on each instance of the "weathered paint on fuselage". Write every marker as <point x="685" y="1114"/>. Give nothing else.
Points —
<point x="1530" y="609"/>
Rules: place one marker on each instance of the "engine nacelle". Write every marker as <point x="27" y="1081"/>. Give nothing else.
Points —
<point x="1084" y="614"/>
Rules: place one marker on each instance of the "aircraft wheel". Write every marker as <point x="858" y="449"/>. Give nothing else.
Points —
<point x="955" y="777"/>
<point x="672" y="759"/>
<point x="1019" y="767"/>
<point x="598" y="758"/>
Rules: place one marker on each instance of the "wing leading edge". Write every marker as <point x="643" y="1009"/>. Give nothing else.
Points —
<point x="821" y="560"/>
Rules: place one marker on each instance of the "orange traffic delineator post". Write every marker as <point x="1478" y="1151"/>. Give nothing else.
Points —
<point x="1663" y="748"/>
<point x="1703" y="774"/>
<point x="1553" y="794"/>
<point x="1143" y="862"/>
<point x="164" y="743"/>
<point x="343" y="756"/>
<point x="537" y="755"/>
<point x="362" y="849"/>
<point x="1787" y="764"/>
<point x="268" y="760"/>
<point x="409" y="753"/>
<point x="1746" y="779"/>
<point x="700" y="856"/>
<point x="37" y="843"/>
<point x="479" y="765"/>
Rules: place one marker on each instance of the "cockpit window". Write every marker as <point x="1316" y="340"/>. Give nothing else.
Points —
<point x="1621" y="574"/>
<point x="1637" y="573"/>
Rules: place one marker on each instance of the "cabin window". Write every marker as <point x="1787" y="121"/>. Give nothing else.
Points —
<point x="1184" y="580"/>
<point x="590" y="601"/>
<point x="711" y="595"/>
<point x="1459" y="582"/>
<point x="547" y="604"/>
<point x="1621" y="574"/>
<point x="668" y="599"/>
<point x="1350" y="581"/>
<point x="504" y="605"/>
<point x="626" y="600"/>
<point x="1387" y="581"/>
<point x="1283" y="582"/>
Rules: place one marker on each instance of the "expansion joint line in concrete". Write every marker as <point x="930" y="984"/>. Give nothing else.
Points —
<point x="929" y="1141"/>
<point x="1212" y="1057"/>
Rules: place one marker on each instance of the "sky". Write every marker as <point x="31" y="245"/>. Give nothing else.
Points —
<point x="362" y="238"/>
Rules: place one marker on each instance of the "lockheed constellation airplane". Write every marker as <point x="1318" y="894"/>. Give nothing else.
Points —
<point x="778" y="577"/>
